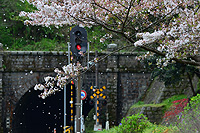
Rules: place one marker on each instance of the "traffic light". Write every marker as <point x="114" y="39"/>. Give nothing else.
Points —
<point x="78" y="40"/>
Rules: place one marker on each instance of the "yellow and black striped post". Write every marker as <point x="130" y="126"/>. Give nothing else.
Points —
<point x="98" y="112"/>
<point x="72" y="100"/>
<point x="72" y="106"/>
<point x="67" y="129"/>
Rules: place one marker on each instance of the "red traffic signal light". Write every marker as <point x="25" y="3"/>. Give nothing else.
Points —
<point x="78" y="47"/>
<point x="78" y="40"/>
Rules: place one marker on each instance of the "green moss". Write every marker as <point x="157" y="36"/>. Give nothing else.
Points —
<point x="148" y="105"/>
<point x="166" y="104"/>
<point x="198" y="85"/>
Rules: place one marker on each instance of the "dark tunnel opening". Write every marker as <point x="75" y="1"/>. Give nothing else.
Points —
<point x="35" y="115"/>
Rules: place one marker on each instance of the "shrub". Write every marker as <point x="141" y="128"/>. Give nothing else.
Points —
<point x="190" y="120"/>
<point x="169" y="102"/>
<point x="133" y="124"/>
<point x="177" y="107"/>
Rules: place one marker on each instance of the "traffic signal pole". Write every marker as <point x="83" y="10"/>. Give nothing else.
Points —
<point x="78" y="106"/>
<point x="78" y="46"/>
<point x="65" y="97"/>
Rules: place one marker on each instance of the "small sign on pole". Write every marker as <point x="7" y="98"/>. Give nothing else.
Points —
<point x="83" y="95"/>
<point x="98" y="127"/>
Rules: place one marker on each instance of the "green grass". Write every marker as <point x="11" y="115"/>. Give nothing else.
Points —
<point x="112" y="130"/>
<point x="148" y="105"/>
<point x="168" y="102"/>
<point x="44" y="45"/>
<point x="153" y="128"/>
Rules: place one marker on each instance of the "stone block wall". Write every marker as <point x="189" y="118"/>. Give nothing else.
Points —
<point x="125" y="78"/>
<point x="158" y="92"/>
<point x="1" y="88"/>
<point x="133" y="87"/>
<point x="154" y="114"/>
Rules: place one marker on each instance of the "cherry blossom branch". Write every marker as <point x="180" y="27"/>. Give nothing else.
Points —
<point x="178" y="21"/>
<point x="107" y="10"/>
<point x="121" y="4"/>
<point x="126" y="18"/>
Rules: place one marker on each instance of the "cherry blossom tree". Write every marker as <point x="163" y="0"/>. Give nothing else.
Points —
<point x="168" y="28"/>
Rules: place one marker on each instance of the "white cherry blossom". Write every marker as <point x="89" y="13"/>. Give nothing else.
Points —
<point x="174" y="24"/>
<point x="169" y="28"/>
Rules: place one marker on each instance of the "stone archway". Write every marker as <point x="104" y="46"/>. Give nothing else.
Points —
<point x="35" y="115"/>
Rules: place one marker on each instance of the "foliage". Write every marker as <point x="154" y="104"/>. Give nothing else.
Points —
<point x="190" y="120"/>
<point x="146" y="105"/>
<point x="169" y="102"/>
<point x="170" y="74"/>
<point x="153" y="128"/>
<point x="176" y="100"/>
<point x="17" y="36"/>
<point x="89" y="121"/>
<point x="112" y="130"/>
<point x="198" y="86"/>
<point x="44" y="45"/>
<point x="135" y="123"/>
<point x="95" y="33"/>
<point x="176" y="109"/>
<point x="8" y="25"/>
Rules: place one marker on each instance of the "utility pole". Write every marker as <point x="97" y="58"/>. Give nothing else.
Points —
<point x="97" y="126"/>
<point x="98" y="92"/>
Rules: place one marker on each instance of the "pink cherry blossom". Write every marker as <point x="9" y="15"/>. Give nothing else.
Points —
<point x="54" y="84"/>
<point x="175" y="22"/>
<point x="169" y="28"/>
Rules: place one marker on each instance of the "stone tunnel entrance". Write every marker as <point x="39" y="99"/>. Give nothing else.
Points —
<point x="35" y="115"/>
